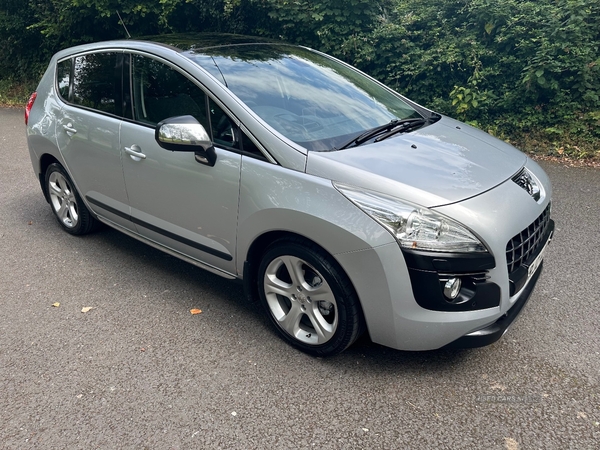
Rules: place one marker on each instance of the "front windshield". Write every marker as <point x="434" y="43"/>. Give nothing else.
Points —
<point x="310" y="99"/>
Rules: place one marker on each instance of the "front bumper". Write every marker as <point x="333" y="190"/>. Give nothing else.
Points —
<point x="495" y="331"/>
<point x="491" y="333"/>
<point x="402" y="298"/>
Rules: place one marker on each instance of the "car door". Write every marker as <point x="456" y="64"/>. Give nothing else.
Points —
<point x="88" y="126"/>
<point x="176" y="201"/>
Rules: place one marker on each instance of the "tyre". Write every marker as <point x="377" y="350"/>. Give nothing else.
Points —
<point x="309" y="298"/>
<point x="67" y="206"/>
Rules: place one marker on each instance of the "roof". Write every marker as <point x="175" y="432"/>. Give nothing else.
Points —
<point x="200" y="41"/>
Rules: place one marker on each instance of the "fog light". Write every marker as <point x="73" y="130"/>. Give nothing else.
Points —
<point x="452" y="288"/>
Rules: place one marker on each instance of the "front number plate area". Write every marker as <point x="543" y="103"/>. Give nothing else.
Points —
<point x="533" y="267"/>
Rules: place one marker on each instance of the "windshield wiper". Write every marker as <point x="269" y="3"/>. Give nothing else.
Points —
<point x="392" y="127"/>
<point x="405" y="126"/>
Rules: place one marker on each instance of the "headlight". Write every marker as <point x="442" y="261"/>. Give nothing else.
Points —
<point x="415" y="227"/>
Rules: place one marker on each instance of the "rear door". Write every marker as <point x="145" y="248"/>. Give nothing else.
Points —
<point x="88" y="128"/>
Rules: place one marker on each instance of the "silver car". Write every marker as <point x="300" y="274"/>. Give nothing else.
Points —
<point x="344" y="206"/>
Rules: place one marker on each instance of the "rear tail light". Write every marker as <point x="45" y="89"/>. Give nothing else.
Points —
<point x="29" y="106"/>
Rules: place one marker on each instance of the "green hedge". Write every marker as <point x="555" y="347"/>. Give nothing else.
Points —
<point x="528" y="71"/>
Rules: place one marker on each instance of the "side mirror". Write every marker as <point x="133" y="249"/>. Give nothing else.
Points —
<point x="186" y="134"/>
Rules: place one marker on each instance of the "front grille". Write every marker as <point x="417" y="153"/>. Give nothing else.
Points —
<point x="522" y="246"/>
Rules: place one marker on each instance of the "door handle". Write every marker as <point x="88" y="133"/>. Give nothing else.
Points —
<point x="69" y="128"/>
<point x="135" y="152"/>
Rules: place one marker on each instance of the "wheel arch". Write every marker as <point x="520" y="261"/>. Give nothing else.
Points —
<point x="45" y="161"/>
<point x="259" y="246"/>
<point x="262" y="244"/>
<point x="256" y="251"/>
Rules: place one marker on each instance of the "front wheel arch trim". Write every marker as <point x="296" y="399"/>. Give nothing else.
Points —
<point x="257" y="250"/>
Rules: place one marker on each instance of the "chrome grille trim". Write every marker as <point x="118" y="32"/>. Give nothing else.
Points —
<point x="523" y="245"/>
<point x="477" y="276"/>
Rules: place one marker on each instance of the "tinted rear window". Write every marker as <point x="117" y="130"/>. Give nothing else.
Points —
<point x="97" y="82"/>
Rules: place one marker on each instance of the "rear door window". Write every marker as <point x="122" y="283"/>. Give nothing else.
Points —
<point x="97" y="82"/>
<point x="94" y="81"/>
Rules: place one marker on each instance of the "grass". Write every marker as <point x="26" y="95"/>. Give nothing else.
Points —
<point x="15" y="93"/>
<point x="569" y="148"/>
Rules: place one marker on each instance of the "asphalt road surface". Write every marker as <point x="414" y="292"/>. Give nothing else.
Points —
<point x="139" y="371"/>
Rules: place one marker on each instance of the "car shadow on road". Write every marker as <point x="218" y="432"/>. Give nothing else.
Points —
<point x="233" y="293"/>
<point x="121" y="251"/>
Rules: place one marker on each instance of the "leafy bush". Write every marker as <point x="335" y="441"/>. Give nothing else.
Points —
<point x="524" y="70"/>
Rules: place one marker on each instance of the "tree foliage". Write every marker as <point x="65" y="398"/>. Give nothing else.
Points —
<point x="507" y="65"/>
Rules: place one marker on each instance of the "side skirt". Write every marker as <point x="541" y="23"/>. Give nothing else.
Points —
<point x="168" y="250"/>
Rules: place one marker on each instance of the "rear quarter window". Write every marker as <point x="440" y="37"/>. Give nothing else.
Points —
<point x="93" y="81"/>
<point x="63" y="78"/>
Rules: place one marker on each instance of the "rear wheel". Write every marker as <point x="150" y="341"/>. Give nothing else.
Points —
<point x="308" y="297"/>
<point x="67" y="206"/>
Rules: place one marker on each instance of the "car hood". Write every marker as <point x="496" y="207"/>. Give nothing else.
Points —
<point x="442" y="163"/>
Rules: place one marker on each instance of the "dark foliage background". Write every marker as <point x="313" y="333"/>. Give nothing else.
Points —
<point x="527" y="71"/>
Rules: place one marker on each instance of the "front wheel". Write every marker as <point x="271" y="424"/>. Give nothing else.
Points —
<point x="67" y="206"/>
<point x="308" y="297"/>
